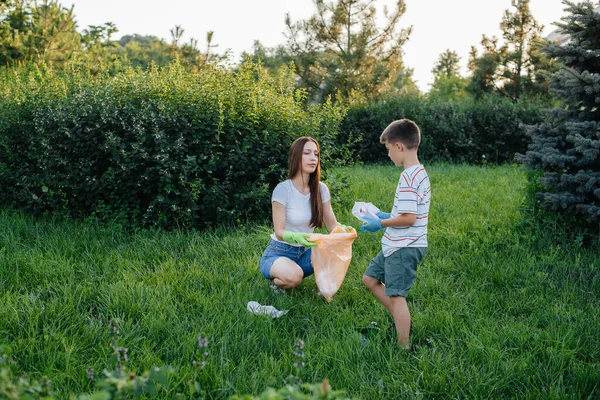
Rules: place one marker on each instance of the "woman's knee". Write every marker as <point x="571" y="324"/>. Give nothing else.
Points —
<point x="294" y="280"/>
<point x="288" y="272"/>
<point x="288" y="280"/>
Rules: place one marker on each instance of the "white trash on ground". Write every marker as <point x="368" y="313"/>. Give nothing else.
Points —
<point x="258" y="309"/>
<point x="362" y="209"/>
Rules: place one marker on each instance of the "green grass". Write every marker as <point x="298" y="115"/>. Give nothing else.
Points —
<point x="501" y="308"/>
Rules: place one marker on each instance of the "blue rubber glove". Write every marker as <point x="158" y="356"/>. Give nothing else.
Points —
<point x="383" y="215"/>
<point x="372" y="225"/>
<point x="298" y="237"/>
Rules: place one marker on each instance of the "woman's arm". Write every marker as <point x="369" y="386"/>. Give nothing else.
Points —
<point x="329" y="216"/>
<point x="278" y="219"/>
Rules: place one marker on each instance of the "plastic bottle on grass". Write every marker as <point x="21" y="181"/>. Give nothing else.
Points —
<point x="258" y="309"/>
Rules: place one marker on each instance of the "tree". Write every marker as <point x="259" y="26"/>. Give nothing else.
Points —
<point x="484" y="75"/>
<point x="272" y="59"/>
<point x="14" y="18"/>
<point x="544" y="67"/>
<point x="97" y="48"/>
<point x="45" y="32"/>
<point x="188" y="54"/>
<point x="39" y="33"/>
<point x="447" y="64"/>
<point x="519" y="31"/>
<point x="142" y="51"/>
<point x="340" y="49"/>
<point x="517" y="66"/>
<point x="566" y="147"/>
<point x="448" y="84"/>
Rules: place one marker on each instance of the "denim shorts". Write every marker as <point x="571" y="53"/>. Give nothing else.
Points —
<point x="398" y="270"/>
<point x="298" y="254"/>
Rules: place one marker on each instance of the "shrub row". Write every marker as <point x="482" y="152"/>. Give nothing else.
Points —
<point x="162" y="147"/>
<point x="167" y="147"/>
<point x="486" y="130"/>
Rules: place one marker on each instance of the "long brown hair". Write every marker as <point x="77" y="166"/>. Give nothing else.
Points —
<point x="295" y="163"/>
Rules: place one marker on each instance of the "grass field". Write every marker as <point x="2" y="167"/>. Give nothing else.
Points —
<point x="501" y="308"/>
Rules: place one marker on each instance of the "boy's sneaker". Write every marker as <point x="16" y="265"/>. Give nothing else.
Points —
<point x="276" y="289"/>
<point x="370" y="331"/>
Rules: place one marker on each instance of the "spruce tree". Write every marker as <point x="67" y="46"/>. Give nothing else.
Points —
<point x="566" y="146"/>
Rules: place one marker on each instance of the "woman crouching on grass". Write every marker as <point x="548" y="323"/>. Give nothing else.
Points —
<point x="300" y="203"/>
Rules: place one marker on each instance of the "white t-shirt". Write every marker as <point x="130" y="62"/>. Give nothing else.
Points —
<point x="413" y="195"/>
<point x="297" y="206"/>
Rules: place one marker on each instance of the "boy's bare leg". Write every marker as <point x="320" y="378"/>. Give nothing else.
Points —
<point x="401" y="316"/>
<point x="397" y="307"/>
<point x="375" y="286"/>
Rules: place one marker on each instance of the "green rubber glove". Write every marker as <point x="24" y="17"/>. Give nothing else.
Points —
<point x="297" y="238"/>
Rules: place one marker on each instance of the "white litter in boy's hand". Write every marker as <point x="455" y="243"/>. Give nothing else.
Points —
<point x="362" y="209"/>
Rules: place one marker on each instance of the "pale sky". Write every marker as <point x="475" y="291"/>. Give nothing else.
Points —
<point x="437" y="24"/>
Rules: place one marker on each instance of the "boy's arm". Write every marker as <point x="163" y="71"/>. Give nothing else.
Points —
<point x="405" y="219"/>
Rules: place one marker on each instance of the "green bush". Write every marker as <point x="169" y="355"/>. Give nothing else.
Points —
<point x="471" y="131"/>
<point x="163" y="147"/>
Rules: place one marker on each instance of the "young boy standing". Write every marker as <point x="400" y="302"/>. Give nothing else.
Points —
<point x="392" y="272"/>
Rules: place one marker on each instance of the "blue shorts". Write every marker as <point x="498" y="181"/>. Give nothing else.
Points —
<point x="397" y="271"/>
<point x="298" y="254"/>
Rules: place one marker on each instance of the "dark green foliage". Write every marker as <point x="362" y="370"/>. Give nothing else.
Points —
<point x="472" y="131"/>
<point x="566" y="146"/>
<point x="164" y="147"/>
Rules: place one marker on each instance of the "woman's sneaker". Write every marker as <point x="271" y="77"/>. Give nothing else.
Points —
<point x="276" y="289"/>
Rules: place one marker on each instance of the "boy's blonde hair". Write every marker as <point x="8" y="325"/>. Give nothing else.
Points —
<point x="404" y="131"/>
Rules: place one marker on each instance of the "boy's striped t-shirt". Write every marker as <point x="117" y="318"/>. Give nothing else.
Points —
<point x="413" y="195"/>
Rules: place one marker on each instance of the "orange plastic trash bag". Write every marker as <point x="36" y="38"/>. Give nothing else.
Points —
<point x="330" y="259"/>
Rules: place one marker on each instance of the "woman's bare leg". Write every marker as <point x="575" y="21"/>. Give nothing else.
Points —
<point x="286" y="274"/>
